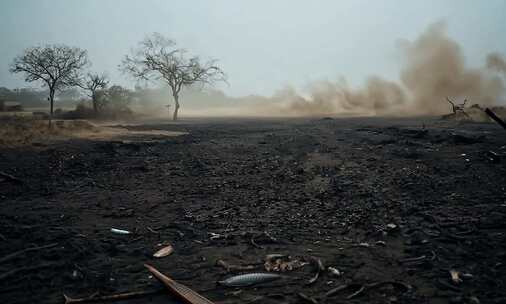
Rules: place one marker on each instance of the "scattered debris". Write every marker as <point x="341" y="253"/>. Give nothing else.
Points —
<point x="114" y="297"/>
<point x="230" y="267"/>
<point x="334" y="271"/>
<point x="362" y="288"/>
<point x="391" y="226"/>
<point x="182" y="292"/>
<point x="120" y="231"/>
<point x="381" y="243"/>
<point x="215" y="236"/>
<point x="466" y="276"/>
<point x="281" y="263"/>
<point x="356" y="293"/>
<point x="455" y="275"/>
<point x="249" y="279"/>
<point x="338" y="289"/>
<point x="413" y="260"/>
<point x="318" y="266"/>
<point x="165" y="251"/>
<point x="263" y="237"/>
<point x="365" y="245"/>
<point x="493" y="157"/>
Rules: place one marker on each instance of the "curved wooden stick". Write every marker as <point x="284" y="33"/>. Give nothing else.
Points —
<point x="182" y="292"/>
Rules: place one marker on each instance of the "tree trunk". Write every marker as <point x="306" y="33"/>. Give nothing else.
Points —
<point x="94" y="101"/>
<point x="51" y="102"/>
<point x="176" y="106"/>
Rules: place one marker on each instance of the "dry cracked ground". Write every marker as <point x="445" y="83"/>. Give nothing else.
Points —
<point x="393" y="204"/>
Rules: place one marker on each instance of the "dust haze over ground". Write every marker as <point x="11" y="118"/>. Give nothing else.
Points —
<point x="434" y="67"/>
<point x="496" y="62"/>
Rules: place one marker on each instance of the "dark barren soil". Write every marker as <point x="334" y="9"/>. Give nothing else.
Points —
<point x="237" y="190"/>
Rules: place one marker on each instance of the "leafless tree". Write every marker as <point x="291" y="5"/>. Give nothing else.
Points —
<point x="92" y="83"/>
<point x="458" y="108"/>
<point x="57" y="66"/>
<point x="158" y="58"/>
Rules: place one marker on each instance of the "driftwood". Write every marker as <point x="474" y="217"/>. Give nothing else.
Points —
<point x="184" y="293"/>
<point x="495" y="118"/>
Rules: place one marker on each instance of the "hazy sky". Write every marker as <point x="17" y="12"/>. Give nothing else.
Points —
<point x="262" y="45"/>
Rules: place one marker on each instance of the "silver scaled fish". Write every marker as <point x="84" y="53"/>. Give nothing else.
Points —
<point x="249" y="279"/>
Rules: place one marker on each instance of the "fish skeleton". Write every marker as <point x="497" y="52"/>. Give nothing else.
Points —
<point x="249" y="279"/>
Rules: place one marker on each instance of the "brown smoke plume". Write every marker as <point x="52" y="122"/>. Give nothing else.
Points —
<point x="434" y="69"/>
<point x="497" y="63"/>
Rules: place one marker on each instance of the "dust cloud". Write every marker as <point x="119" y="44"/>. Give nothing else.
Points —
<point x="433" y="67"/>
<point x="496" y="62"/>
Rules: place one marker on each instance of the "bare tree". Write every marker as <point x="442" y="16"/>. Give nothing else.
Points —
<point x="92" y="83"/>
<point x="57" y="66"/>
<point x="458" y="108"/>
<point x="158" y="58"/>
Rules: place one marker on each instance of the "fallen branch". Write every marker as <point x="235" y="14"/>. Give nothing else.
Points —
<point x="356" y="293"/>
<point x="411" y="260"/>
<point x="495" y="117"/>
<point x="114" y="297"/>
<point x="182" y="292"/>
<point x="228" y="267"/>
<point x="363" y="288"/>
<point x="15" y="254"/>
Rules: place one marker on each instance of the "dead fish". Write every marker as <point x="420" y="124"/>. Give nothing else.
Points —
<point x="120" y="231"/>
<point x="165" y="251"/>
<point x="249" y="279"/>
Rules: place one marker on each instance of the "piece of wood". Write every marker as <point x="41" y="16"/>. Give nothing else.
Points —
<point x="113" y="297"/>
<point x="182" y="292"/>
<point x="495" y="117"/>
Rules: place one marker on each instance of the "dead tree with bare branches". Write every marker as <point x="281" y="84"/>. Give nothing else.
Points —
<point x="158" y="58"/>
<point x="57" y="66"/>
<point x="458" y="108"/>
<point x="92" y="83"/>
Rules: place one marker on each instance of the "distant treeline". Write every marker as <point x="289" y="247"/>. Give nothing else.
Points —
<point x="31" y="97"/>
